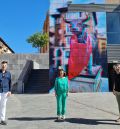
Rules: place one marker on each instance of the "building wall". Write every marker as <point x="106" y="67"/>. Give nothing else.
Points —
<point x="102" y="44"/>
<point x="4" y="48"/>
<point x="45" y="49"/>
<point x="16" y="63"/>
<point x="112" y="1"/>
<point x="77" y="46"/>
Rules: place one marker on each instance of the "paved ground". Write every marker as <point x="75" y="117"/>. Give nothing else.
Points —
<point x="85" y="111"/>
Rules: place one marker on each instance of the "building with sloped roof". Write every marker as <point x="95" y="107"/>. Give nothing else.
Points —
<point x="4" y="48"/>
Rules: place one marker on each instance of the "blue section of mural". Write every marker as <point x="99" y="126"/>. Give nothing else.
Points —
<point x="78" y="44"/>
<point x="113" y="31"/>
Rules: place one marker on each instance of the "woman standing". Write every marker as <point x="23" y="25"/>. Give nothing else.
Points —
<point x="116" y="87"/>
<point x="61" y="93"/>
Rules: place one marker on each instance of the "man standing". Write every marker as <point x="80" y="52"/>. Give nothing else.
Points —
<point x="116" y="87"/>
<point x="5" y="90"/>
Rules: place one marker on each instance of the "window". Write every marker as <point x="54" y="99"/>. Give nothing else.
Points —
<point x="113" y="28"/>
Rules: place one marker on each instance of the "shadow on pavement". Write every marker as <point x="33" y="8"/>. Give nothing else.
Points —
<point x="32" y="118"/>
<point x="70" y="120"/>
<point x="91" y="121"/>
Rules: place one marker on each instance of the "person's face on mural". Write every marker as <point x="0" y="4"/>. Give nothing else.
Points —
<point x="76" y="26"/>
<point x="79" y="27"/>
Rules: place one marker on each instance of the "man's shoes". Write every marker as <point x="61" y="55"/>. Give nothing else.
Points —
<point x="118" y="120"/>
<point x="3" y="123"/>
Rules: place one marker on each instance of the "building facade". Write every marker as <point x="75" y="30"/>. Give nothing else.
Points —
<point x="112" y="1"/>
<point x="45" y="49"/>
<point x="4" y="48"/>
<point x="83" y="38"/>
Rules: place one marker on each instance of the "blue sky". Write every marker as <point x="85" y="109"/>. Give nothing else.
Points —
<point x="19" y="19"/>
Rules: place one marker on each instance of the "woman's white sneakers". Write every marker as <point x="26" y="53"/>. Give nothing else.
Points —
<point x="61" y="118"/>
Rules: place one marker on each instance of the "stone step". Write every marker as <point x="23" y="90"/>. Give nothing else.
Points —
<point x="38" y="81"/>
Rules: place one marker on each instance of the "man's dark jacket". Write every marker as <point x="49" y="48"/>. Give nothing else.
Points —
<point x="5" y="81"/>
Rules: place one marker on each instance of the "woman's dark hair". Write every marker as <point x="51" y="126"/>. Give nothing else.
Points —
<point x="60" y="71"/>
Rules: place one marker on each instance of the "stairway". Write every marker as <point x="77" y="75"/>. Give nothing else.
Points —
<point x="38" y="82"/>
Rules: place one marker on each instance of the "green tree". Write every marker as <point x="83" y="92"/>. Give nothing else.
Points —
<point x="38" y="39"/>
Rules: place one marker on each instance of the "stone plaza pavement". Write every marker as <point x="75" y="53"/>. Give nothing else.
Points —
<point x="84" y="111"/>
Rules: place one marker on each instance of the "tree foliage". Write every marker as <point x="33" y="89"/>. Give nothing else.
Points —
<point x="38" y="39"/>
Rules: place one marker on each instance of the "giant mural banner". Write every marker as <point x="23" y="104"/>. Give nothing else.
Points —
<point x="78" y="44"/>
